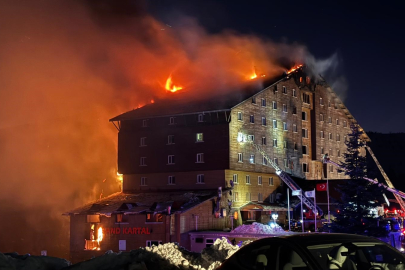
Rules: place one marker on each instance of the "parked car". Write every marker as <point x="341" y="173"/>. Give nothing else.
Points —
<point x="316" y="251"/>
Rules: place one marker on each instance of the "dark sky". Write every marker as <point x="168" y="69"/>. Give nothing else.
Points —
<point x="368" y="38"/>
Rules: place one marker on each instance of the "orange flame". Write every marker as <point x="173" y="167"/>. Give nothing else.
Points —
<point x="120" y="177"/>
<point x="294" y="69"/>
<point x="100" y="235"/>
<point x="170" y="86"/>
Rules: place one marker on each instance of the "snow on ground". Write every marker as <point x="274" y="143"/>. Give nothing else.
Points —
<point x="260" y="229"/>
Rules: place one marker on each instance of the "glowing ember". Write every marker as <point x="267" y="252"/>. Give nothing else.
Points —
<point x="100" y="234"/>
<point x="253" y="76"/>
<point x="294" y="69"/>
<point x="120" y="177"/>
<point x="170" y="86"/>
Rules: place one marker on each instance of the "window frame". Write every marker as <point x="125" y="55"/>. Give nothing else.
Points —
<point x="200" y="179"/>
<point x="200" y="158"/>
<point x="171" y="160"/>
<point x="144" y="181"/>
<point x="171" y="179"/>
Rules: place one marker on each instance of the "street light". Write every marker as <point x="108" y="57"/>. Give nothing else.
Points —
<point x="274" y="216"/>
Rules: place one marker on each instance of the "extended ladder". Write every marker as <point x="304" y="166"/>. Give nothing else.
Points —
<point x="288" y="180"/>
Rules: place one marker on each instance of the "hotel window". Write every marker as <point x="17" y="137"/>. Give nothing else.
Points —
<point x="236" y="196"/>
<point x="305" y="98"/>
<point x="251" y="138"/>
<point x="240" y="116"/>
<point x="338" y="153"/>
<point x="276" y="161"/>
<point x="308" y="80"/>
<point x="284" y="90"/>
<point x="199" y="137"/>
<point x="295" y="128"/>
<point x="144" y="123"/>
<point x="274" y="142"/>
<point x="330" y="136"/>
<point x="264" y="161"/>
<point x="321" y="117"/>
<point x="285" y="163"/>
<point x="252" y="119"/>
<point x="345" y="138"/>
<point x="248" y="179"/>
<point x="275" y="105"/>
<point x="263" y="102"/>
<point x="121" y="218"/>
<point x="321" y="101"/>
<point x="200" y="117"/>
<point x="344" y="123"/>
<point x="248" y="198"/>
<point x="336" y="105"/>
<point x="322" y="135"/>
<point x="304" y="133"/>
<point x="172" y="120"/>
<point x="331" y="168"/>
<point x="285" y="144"/>
<point x="322" y="152"/>
<point x="295" y="146"/>
<point x="170" y="159"/>
<point x="337" y="121"/>
<point x="235" y="178"/>
<point x="294" y="110"/>
<point x="259" y="197"/>
<point x="240" y="157"/>
<point x="274" y="123"/>
<point x="305" y="168"/>
<point x="338" y="137"/>
<point x="200" y="158"/>
<point x="170" y="139"/>
<point x="294" y="93"/>
<point x="285" y="126"/>
<point x="142" y="161"/>
<point x="200" y="179"/>
<point x="259" y="180"/>
<point x="143" y="181"/>
<point x="271" y="182"/>
<point x="150" y="217"/>
<point x="254" y="100"/>
<point x="143" y="141"/>
<point x="171" y="180"/>
<point x="263" y="121"/>
<point x="263" y="140"/>
<point x="300" y="79"/>
<point x="329" y="103"/>
<point x="304" y="116"/>
<point x="252" y="159"/>
<point x="304" y="150"/>
<point x="330" y="152"/>
<point x="285" y="108"/>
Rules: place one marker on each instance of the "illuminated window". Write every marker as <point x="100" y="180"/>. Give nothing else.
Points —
<point x="144" y="123"/>
<point x="93" y="218"/>
<point x="119" y="218"/>
<point x="304" y="116"/>
<point x="240" y="116"/>
<point x="271" y="181"/>
<point x="305" y="150"/>
<point x="172" y="120"/>
<point x="150" y="217"/>
<point x="143" y="181"/>
<point x="235" y="178"/>
<point x="285" y="108"/>
<point x="294" y="93"/>
<point x="143" y="141"/>
<point x="263" y="121"/>
<point x="199" y="137"/>
<point x="252" y="159"/>
<point x="274" y="105"/>
<point x="274" y="142"/>
<point x="263" y="140"/>
<point x="171" y="180"/>
<point x="304" y="133"/>
<point x="284" y="90"/>
<point x="248" y="179"/>
<point x="263" y="102"/>
<point x="300" y="79"/>
<point x="170" y="159"/>
<point x="142" y="161"/>
<point x="170" y="139"/>
<point x="252" y="119"/>
<point x="200" y="179"/>
<point x="240" y="157"/>
<point x="305" y="167"/>
<point x="259" y="180"/>
<point x="274" y="123"/>
<point x="200" y="158"/>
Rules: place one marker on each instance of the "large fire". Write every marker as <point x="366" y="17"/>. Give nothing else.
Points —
<point x="170" y="86"/>
<point x="294" y="69"/>
<point x="100" y="235"/>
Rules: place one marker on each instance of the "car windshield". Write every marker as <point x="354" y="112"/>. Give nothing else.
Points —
<point x="357" y="255"/>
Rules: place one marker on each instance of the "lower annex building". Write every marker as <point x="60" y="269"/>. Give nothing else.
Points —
<point x="185" y="170"/>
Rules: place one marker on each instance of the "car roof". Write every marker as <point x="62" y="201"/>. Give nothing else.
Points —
<point x="306" y="239"/>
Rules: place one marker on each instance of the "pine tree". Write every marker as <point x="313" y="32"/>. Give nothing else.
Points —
<point x="359" y="197"/>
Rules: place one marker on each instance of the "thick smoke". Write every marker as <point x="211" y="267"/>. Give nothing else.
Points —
<point x="66" y="68"/>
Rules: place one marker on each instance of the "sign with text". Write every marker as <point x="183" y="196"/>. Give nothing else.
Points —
<point x="134" y="230"/>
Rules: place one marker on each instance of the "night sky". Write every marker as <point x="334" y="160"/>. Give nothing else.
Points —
<point x="367" y="38"/>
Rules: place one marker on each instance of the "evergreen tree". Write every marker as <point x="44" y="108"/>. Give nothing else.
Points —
<point x="359" y="198"/>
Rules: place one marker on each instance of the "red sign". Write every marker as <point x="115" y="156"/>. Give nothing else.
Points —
<point x="321" y="187"/>
<point x="134" y="230"/>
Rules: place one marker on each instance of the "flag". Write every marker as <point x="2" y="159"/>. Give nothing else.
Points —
<point x="310" y="194"/>
<point x="321" y="187"/>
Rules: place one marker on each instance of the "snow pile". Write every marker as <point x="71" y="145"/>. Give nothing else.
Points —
<point x="167" y="256"/>
<point x="260" y="229"/>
